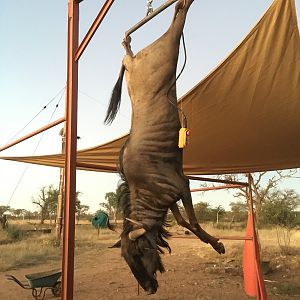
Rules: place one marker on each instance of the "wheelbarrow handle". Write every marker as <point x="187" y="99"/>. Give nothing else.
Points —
<point x="13" y="278"/>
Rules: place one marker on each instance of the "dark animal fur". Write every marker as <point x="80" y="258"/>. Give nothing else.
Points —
<point x="150" y="161"/>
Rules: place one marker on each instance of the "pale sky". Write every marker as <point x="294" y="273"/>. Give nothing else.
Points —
<point x="33" y="70"/>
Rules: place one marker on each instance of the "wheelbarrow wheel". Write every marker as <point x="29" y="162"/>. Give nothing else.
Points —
<point x="56" y="290"/>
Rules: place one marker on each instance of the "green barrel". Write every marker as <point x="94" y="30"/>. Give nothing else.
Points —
<point x="100" y="220"/>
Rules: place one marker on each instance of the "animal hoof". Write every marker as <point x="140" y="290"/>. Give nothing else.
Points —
<point x="219" y="247"/>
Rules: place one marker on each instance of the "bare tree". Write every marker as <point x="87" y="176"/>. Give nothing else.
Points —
<point x="80" y="209"/>
<point x="3" y="209"/>
<point x="239" y="211"/>
<point x="112" y="205"/>
<point x="47" y="201"/>
<point x="3" y="217"/>
<point x="3" y="221"/>
<point x="218" y="211"/>
<point x="263" y="185"/>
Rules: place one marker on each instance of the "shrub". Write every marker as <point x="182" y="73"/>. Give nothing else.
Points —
<point x="14" y="233"/>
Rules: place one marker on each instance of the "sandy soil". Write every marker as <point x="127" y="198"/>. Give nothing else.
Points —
<point x="193" y="271"/>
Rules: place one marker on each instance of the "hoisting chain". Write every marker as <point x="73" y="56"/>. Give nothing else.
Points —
<point x="149" y="7"/>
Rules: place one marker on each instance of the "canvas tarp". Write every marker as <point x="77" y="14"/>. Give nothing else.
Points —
<point x="244" y="116"/>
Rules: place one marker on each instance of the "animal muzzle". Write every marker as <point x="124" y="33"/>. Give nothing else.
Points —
<point x="151" y="287"/>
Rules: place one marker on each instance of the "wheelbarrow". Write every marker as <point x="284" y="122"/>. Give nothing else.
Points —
<point x="39" y="283"/>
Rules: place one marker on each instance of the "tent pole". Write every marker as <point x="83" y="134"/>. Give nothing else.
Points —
<point x="101" y="15"/>
<point x="59" y="214"/>
<point x="71" y="142"/>
<point x="33" y="134"/>
<point x="261" y="289"/>
<point x="71" y="153"/>
<point x="217" y="180"/>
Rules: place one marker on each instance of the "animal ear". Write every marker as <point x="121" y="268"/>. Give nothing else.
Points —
<point x="134" y="234"/>
<point x="116" y="245"/>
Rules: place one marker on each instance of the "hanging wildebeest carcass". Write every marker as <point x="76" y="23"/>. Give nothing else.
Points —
<point x="151" y="161"/>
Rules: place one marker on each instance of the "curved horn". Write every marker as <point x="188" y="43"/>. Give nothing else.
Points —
<point x="134" y="222"/>
<point x="134" y="234"/>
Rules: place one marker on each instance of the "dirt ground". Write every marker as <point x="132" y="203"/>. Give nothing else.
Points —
<point x="193" y="271"/>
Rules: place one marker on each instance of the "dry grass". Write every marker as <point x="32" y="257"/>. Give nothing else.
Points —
<point x="3" y="235"/>
<point x="20" y="249"/>
<point x="35" y="249"/>
<point x="27" y="252"/>
<point x="87" y="237"/>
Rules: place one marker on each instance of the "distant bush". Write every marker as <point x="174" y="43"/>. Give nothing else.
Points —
<point x="14" y="233"/>
<point x="281" y="210"/>
<point x="230" y="225"/>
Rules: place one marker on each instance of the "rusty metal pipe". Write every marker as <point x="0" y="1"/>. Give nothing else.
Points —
<point x="105" y="8"/>
<point x="33" y="133"/>
<point x="229" y="238"/>
<point x="212" y="188"/>
<point x="244" y="184"/>
<point x="71" y="153"/>
<point x="149" y="17"/>
<point x="96" y="167"/>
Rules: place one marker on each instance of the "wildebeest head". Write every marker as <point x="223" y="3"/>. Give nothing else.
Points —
<point x="141" y="249"/>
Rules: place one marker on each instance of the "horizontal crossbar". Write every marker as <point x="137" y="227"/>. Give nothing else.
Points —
<point x="149" y="17"/>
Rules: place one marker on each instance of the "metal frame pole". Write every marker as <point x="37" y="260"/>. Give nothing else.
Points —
<point x="71" y="152"/>
<point x="61" y="193"/>
<point x="251" y="209"/>
<point x="261" y="289"/>
<point x="149" y="17"/>
<point x="213" y="188"/>
<point x="33" y="134"/>
<point x="216" y="180"/>
<point x="73" y="55"/>
<point x="105" y="8"/>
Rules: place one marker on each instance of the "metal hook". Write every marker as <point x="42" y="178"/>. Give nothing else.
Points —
<point x="149" y="7"/>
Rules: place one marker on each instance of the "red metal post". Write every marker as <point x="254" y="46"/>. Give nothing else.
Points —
<point x="71" y="152"/>
<point x="229" y="238"/>
<point x="105" y="8"/>
<point x="213" y="188"/>
<point x="96" y="167"/>
<point x="32" y="134"/>
<point x="216" y="180"/>
<point x="261" y="289"/>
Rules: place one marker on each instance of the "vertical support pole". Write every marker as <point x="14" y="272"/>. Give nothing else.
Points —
<point x="253" y="230"/>
<point x="71" y="152"/>
<point x="261" y="289"/>
<point x="61" y="193"/>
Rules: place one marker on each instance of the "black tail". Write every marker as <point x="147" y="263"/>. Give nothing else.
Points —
<point x="115" y="98"/>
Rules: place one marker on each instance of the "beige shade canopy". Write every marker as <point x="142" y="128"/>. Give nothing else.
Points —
<point x="244" y="116"/>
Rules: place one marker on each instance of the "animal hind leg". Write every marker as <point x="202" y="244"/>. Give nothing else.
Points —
<point x="127" y="46"/>
<point x="180" y="220"/>
<point x="199" y="232"/>
<point x="196" y="228"/>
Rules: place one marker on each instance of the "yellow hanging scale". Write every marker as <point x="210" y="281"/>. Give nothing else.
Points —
<point x="184" y="132"/>
<point x="183" y="137"/>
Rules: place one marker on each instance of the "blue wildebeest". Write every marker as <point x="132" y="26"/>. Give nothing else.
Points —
<point x="150" y="161"/>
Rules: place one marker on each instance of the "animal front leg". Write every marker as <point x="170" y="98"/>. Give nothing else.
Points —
<point x="196" y="228"/>
<point x="180" y="220"/>
<point x="126" y="44"/>
<point x="199" y="232"/>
